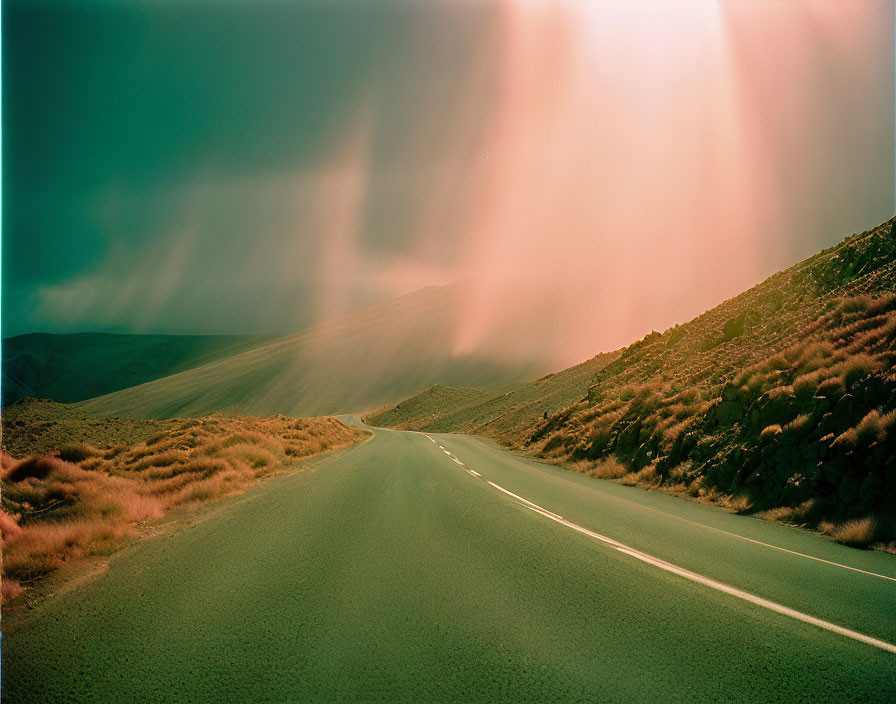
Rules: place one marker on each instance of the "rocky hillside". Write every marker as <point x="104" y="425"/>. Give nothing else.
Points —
<point x="784" y="395"/>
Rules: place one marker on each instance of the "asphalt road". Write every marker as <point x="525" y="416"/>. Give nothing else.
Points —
<point x="397" y="572"/>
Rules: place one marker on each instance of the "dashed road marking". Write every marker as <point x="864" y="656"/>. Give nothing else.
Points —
<point x="706" y="581"/>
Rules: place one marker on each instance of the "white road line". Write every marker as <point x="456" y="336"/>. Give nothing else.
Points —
<point x="794" y="552"/>
<point x="687" y="574"/>
<point x="453" y="457"/>
<point x="693" y="576"/>
<point x="752" y="540"/>
<point x="759" y="601"/>
<point x="529" y="503"/>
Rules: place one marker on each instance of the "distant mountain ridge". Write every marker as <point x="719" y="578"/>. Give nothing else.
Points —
<point x="363" y="360"/>
<point x="78" y="366"/>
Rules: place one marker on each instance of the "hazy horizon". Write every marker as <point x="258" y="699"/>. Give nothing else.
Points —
<point x="593" y="171"/>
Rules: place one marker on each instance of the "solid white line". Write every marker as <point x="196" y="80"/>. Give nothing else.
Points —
<point x="746" y="596"/>
<point x="570" y="524"/>
<point x="687" y="574"/>
<point x="693" y="576"/>
<point x="752" y="540"/>
<point x="528" y="503"/>
<point x="794" y="552"/>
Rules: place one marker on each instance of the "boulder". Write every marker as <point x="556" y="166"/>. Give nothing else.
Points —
<point x="778" y="405"/>
<point x="845" y="412"/>
<point x="728" y="413"/>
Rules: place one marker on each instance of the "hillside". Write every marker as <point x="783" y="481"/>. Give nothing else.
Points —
<point x="79" y="366"/>
<point x="75" y="486"/>
<point x="363" y="360"/>
<point x="446" y="409"/>
<point x="782" y="398"/>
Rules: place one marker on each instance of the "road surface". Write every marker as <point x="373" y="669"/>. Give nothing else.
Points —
<point x="440" y="568"/>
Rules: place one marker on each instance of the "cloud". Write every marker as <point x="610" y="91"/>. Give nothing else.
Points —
<point x="589" y="170"/>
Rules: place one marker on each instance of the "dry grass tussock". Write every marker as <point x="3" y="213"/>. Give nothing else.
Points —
<point x="860" y="532"/>
<point x="81" y="499"/>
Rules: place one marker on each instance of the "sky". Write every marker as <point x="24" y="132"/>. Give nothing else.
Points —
<point x="588" y="169"/>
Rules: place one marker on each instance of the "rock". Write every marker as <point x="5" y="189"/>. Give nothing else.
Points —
<point x="628" y="435"/>
<point x="820" y="405"/>
<point x="827" y="425"/>
<point x="642" y="457"/>
<point x="778" y="406"/>
<point x="728" y="413"/>
<point x="845" y="412"/>
<point x="847" y="491"/>
<point x="812" y="452"/>
<point x="786" y="460"/>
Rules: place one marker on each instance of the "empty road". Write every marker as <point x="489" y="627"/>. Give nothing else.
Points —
<point x="440" y="568"/>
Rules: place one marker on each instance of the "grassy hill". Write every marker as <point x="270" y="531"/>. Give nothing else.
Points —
<point x="75" y="367"/>
<point x="782" y="398"/>
<point x="363" y="360"/>
<point x="83" y="485"/>
<point x="447" y="409"/>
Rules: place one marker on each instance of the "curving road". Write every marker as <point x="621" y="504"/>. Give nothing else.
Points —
<point x="444" y="569"/>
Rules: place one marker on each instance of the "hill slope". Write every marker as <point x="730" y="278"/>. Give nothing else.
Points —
<point x="784" y="395"/>
<point x="442" y="409"/>
<point x="360" y="361"/>
<point x="79" y="366"/>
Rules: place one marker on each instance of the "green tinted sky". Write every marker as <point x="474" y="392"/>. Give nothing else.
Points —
<point x="134" y="123"/>
<point x="254" y="166"/>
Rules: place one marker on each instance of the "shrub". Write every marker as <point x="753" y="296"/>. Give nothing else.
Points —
<point x="627" y="393"/>
<point x="155" y="439"/>
<point x="609" y="468"/>
<point x="859" y="533"/>
<point x="771" y="431"/>
<point x="646" y="476"/>
<point x="868" y="430"/>
<point x="70" y="509"/>
<point x="76" y="452"/>
<point x="856" y="368"/>
<point x="832" y="388"/>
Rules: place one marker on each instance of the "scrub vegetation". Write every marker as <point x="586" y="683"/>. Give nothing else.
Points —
<point x="507" y="415"/>
<point x="781" y="401"/>
<point x="102" y="479"/>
